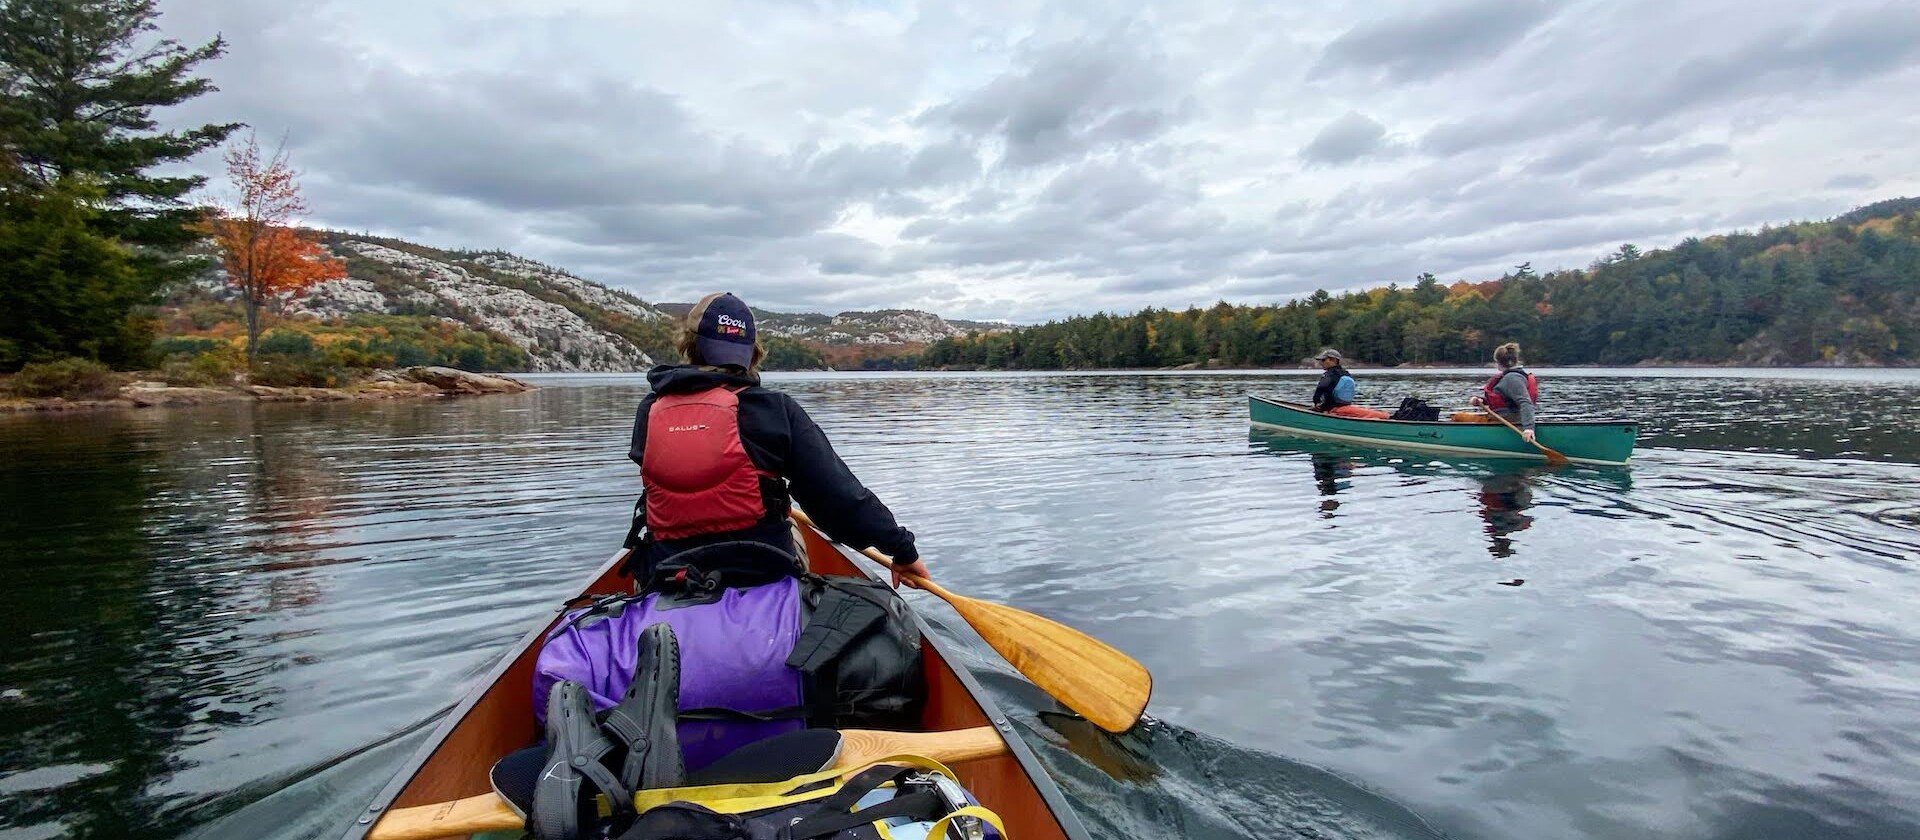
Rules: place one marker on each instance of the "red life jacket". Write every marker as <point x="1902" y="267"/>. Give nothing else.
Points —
<point x="695" y="470"/>
<point x="1496" y="400"/>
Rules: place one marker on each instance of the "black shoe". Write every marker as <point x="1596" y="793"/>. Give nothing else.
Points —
<point x="647" y="719"/>
<point x="563" y="797"/>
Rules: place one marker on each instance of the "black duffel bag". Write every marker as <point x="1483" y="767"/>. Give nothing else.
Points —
<point x="859" y="650"/>
<point x="1414" y="408"/>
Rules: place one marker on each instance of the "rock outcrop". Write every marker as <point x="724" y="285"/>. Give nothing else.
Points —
<point x="555" y="337"/>
<point x="452" y="381"/>
<point x="149" y="394"/>
<point x="878" y="328"/>
<point x="563" y="322"/>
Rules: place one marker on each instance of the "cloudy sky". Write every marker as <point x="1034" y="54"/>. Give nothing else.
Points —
<point x="1026" y="160"/>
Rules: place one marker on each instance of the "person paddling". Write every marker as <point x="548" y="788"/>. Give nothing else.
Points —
<point x="1335" y="391"/>
<point x="1512" y="393"/>
<point x="720" y="457"/>
<point x="729" y="639"/>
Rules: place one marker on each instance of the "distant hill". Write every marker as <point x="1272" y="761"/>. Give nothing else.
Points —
<point x="560" y="321"/>
<point x="883" y="327"/>
<point x="1845" y="291"/>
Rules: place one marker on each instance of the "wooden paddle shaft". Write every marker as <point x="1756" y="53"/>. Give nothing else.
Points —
<point x="859" y="748"/>
<point x="1551" y="455"/>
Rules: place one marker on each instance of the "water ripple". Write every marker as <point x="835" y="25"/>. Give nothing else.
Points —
<point x="237" y="620"/>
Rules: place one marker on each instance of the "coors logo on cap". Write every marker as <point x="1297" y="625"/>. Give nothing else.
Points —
<point x="723" y="330"/>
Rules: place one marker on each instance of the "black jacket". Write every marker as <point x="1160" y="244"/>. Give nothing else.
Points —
<point x="780" y="438"/>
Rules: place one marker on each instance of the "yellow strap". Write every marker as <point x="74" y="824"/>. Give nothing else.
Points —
<point x="939" y="828"/>
<point x="735" y="799"/>
<point x="750" y="804"/>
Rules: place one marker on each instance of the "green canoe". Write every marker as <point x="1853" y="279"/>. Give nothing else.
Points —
<point x="1590" y="442"/>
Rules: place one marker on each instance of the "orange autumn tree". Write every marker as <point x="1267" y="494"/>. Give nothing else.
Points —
<point x="265" y="256"/>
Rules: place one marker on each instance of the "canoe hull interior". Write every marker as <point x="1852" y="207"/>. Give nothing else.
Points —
<point x="498" y="719"/>
<point x="1602" y="442"/>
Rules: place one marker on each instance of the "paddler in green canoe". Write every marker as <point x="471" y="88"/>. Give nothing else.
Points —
<point x="1335" y="392"/>
<point x="1512" y="393"/>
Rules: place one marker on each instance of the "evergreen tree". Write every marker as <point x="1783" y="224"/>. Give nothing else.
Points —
<point x="78" y="86"/>
<point x="79" y="80"/>
<point x="65" y="290"/>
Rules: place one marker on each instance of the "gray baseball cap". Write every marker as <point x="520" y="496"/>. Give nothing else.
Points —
<point x="1328" y="353"/>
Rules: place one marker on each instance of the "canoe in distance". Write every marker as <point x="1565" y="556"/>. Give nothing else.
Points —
<point x="1582" y="441"/>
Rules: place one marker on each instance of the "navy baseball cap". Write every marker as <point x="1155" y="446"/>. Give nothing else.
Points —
<point x="723" y="330"/>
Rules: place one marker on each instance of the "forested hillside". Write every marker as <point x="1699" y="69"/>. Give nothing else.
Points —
<point x="1840" y="292"/>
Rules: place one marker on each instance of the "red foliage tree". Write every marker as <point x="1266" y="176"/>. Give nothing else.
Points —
<point x="265" y="256"/>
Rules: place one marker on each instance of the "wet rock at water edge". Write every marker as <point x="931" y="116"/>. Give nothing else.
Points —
<point x="266" y="393"/>
<point x="454" y="381"/>
<point x="150" y="394"/>
<point x="393" y="386"/>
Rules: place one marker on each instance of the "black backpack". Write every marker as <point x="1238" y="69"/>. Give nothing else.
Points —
<point x="1414" y="408"/>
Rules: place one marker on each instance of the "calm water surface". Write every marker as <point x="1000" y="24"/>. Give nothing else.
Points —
<point x="237" y="622"/>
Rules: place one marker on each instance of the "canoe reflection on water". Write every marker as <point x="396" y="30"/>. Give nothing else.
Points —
<point x="1502" y="488"/>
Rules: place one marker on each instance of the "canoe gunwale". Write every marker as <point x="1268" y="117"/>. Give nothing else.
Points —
<point x="1359" y="423"/>
<point x="416" y="762"/>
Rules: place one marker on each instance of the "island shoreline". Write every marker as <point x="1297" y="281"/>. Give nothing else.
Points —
<point x="423" y="382"/>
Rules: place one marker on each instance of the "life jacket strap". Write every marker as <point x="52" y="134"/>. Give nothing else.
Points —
<point x="711" y="567"/>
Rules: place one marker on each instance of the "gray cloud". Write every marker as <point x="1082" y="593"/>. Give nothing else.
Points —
<point x="1434" y="42"/>
<point x="1790" y="60"/>
<point x="1068" y="99"/>
<point x="1347" y="139"/>
<point x="1853" y="45"/>
<point x="1629" y="163"/>
<point x="1070" y="157"/>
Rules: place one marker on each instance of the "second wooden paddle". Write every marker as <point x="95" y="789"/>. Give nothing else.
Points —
<point x="1085" y="674"/>
<point x="1553" y="457"/>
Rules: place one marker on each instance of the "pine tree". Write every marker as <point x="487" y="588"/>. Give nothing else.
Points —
<point x="65" y="290"/>
<point x="79" y="80"/>
<point x="77" y="92"/>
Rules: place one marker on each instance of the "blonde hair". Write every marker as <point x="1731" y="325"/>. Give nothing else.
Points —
<point x="690" y="348"/>
<point x="1507" y="355"/>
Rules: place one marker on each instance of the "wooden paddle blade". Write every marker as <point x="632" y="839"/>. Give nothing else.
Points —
<point x="1085" y="674"/>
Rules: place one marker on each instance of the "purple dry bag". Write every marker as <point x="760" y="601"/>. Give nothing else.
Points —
<point x="733" y="654"/>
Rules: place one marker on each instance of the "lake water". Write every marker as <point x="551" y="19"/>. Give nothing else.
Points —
<point x="237" y="621"/>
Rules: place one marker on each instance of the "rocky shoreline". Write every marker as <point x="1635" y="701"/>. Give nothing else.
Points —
<point x="413" y="382"/>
